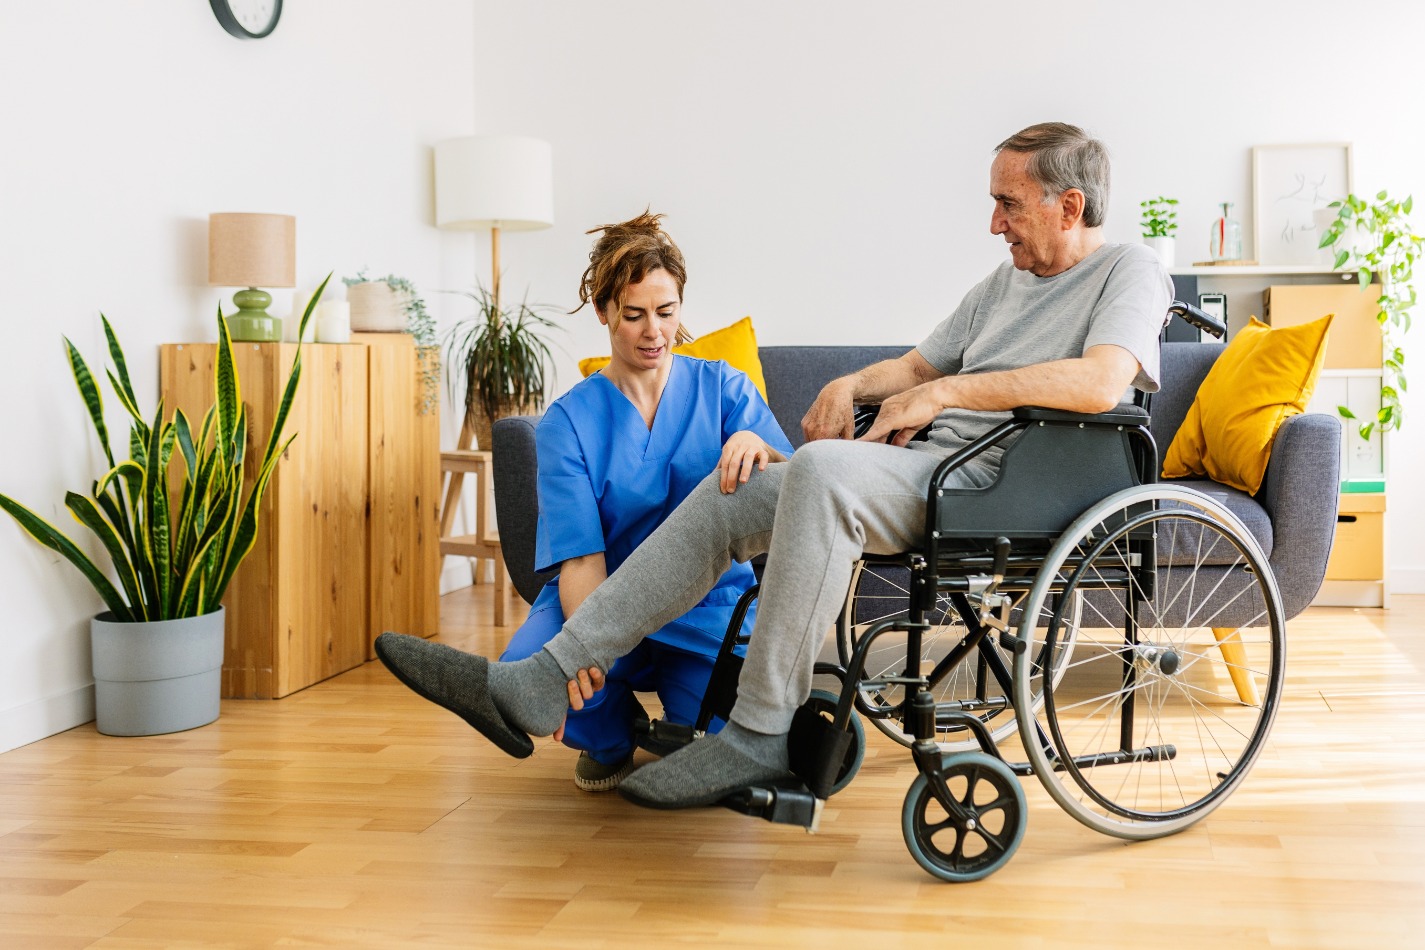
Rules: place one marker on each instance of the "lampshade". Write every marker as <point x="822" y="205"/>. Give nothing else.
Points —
<point x="252" y="250"/>
<point x="500" y="181"/>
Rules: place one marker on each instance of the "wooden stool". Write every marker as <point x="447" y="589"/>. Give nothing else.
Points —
<point x="484" y="544"/>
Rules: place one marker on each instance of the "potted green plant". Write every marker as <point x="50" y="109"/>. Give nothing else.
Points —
<point x="405" y="300"/>
<point x="1375" y="238"/>
<point x="502" y="357"/>
<point x="1159" y="225"/>
<point x="175" y="520"/>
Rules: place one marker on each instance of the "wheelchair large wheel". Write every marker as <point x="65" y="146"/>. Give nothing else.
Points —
<point x="1176" y="669"/>
<point x="879" y="591"/>
<point x="981" y="829"/>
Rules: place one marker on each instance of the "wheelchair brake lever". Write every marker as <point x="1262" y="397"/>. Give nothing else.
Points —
<point x="988" y="596"/>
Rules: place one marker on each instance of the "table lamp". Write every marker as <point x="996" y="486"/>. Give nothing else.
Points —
<point x="252" y="251"/>
<point x="500" y="182"/>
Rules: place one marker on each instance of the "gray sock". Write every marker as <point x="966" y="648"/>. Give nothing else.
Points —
<point x="770" y="751"/>
<point x="531" y="693"/>
<point x="709" y="769"/>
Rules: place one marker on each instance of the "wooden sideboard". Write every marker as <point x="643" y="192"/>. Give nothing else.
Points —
<point x="348" y="541"/>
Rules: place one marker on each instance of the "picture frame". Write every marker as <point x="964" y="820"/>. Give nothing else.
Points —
<point x="1289" y="184"/>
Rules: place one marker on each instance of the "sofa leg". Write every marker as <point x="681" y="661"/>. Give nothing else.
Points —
<point x="1235" y="654"/>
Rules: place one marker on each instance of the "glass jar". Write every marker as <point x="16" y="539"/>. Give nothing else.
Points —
<point x="1225" y="243"/>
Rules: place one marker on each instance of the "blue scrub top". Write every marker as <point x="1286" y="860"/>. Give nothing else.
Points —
<point x="606" y="480"/>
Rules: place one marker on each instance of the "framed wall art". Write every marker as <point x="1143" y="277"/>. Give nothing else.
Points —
<point x="1289" y="184"/>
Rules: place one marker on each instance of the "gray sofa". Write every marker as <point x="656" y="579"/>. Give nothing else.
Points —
<point x="1293" y="516"/>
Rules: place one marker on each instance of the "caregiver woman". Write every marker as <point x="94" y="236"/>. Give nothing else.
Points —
<point x="617" y="453"/>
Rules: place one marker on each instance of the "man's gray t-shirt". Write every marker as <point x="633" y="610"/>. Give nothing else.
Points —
<point x="1118" y="295"/>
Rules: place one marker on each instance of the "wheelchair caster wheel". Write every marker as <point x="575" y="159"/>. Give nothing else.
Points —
<point x="979" y="833"/>
<point x="823" y="702"/>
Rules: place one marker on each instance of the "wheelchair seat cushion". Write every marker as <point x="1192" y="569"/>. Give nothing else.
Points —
<point x="1184" y="550"/>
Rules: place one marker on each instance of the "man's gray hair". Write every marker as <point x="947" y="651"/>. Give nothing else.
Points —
<point x="1063" y="156"/>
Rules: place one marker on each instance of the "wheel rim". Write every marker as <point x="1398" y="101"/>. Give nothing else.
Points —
<point x="981" y="830"/>
<point x="1171" y="691"/>
<point x="883" y="596"/>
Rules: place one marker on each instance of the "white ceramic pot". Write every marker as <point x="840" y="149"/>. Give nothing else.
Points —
<point x="158" y="676"/>
<point x="1165" y="248"/>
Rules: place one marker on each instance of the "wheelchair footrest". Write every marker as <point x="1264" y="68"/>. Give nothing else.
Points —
<point x="783" y="806"/>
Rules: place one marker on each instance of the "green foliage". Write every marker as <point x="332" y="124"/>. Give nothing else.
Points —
<point x="170" y="562"/>
<point x="501" y="353"/>
<point x="1159" y="218"/>
<point x="1376" y="237"/>
<point x="421" y="326"/>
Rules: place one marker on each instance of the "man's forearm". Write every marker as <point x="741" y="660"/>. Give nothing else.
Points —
<point x="880" y="381"/>
<point x="1075" y="385"/>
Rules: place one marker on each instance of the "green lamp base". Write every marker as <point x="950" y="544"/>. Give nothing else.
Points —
<point x="251" y="324"/>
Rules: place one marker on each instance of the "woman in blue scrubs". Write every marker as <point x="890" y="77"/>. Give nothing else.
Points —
<point x="617" y="453"/>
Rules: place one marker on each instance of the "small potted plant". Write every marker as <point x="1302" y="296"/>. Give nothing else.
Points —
<point x="175" y="519"/>
<point x="502" y="357"/>
<point x="1375" y="238"/>
<point x="391" y="303"/>
<point x="1159" y="224"/>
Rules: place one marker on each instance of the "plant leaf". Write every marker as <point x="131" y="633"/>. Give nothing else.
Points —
<point x="89" y="392"/>
<point x="52" y="538"/>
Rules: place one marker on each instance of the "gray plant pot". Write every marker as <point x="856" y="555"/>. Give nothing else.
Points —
<point x="156" y="677"/>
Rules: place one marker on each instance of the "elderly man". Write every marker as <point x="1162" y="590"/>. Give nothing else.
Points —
<point x="1070" y="323"/>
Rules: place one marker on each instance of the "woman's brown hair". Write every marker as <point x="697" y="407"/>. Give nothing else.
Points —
<point x="624" y="254"/>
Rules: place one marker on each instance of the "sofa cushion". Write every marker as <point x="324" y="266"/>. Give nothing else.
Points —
<point x="1185" y="549"/>
<point x="1261" y="378"/>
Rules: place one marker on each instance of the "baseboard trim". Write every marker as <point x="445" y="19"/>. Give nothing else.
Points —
<point x="21" y="725"/>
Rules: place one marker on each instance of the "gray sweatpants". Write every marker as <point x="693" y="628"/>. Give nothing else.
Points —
<point x="812" y="516"/>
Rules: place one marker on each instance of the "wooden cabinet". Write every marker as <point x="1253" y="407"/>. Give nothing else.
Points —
<point x="347" y="542"/>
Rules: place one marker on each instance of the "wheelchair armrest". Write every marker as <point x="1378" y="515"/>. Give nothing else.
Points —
<point x="1124" y="415"/>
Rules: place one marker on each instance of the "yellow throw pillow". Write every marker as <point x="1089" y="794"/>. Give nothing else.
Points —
<point x="736" y="344"/>
<point x="1262" y="378"/>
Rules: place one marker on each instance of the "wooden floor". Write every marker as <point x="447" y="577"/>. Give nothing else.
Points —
<point x="355" y="814"/>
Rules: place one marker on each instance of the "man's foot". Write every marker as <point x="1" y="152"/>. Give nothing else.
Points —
<point x="462" y="683"/>
<point x="704" y="773"/>
<point x="593" y="776"/>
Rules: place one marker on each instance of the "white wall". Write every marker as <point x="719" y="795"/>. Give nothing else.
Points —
<point x="825" y="165"/>
<point x="124" y="126"/>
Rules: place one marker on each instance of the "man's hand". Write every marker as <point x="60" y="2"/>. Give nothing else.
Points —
<point x="830" y="417"/>
<point x="582" y="687"/>
<point x="740" y="453"/>
<point x="905" y="414"/>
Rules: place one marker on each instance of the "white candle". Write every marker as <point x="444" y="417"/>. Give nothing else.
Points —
<point x="334" y="322"/>
<point x="300" y="299"/>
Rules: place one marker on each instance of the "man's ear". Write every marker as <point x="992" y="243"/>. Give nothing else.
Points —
<point x="1071" y="208"/>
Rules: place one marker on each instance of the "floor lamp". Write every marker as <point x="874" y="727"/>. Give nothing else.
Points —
<point x="504" y="183"/>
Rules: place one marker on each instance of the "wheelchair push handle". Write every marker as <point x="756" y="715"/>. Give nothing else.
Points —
<point x="1200" y="319"/>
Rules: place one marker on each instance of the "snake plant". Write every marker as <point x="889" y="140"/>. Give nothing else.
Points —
<point x="174" y="529"/>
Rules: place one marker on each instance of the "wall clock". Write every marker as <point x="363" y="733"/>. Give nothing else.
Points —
<point x="247" y="19"/>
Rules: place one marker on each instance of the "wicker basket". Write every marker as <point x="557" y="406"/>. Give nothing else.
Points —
<point x="376" y="308"/>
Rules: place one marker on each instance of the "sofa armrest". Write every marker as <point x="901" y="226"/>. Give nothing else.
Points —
<point x="516" y="478"/>
<point x="1300" y="493"/>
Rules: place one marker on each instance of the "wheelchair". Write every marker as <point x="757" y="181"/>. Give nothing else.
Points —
<point x="1119" y="639"/>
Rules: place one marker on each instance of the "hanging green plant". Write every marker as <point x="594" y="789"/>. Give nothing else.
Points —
<point x="421" y="326"/>
<point x="1376" y="238"/>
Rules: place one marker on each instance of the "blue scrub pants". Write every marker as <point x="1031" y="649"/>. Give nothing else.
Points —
<point x="604" y="727"/>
